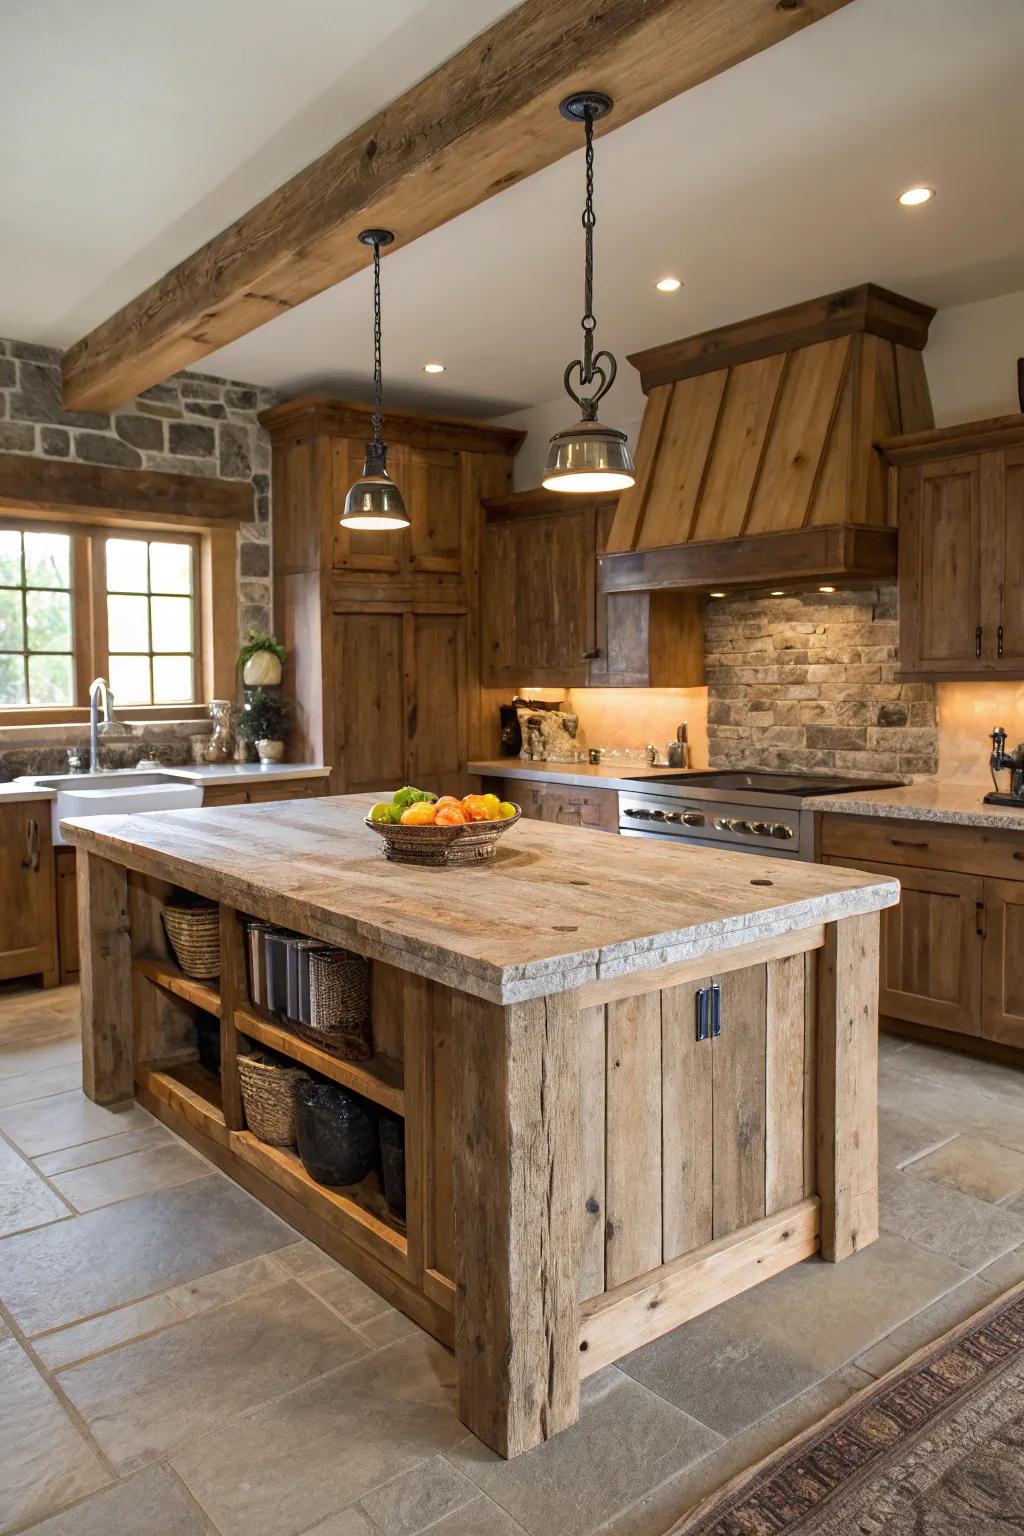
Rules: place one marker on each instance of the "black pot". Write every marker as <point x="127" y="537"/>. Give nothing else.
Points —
<point x="336" y="1133"/>
<point x="392" y="1161"/>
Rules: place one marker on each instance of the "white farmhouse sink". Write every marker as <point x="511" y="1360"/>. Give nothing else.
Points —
<point x="117" y="794"/>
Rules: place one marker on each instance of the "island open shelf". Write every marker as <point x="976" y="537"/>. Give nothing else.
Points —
<point x="635" y="1079"/>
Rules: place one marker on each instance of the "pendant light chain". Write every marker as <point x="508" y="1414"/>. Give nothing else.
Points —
<point x="589" y="321"/>
<point x="377" y="423"/>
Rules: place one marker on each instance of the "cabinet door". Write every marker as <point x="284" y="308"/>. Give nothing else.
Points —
<point x="431" y="485"/>
<point x="940" y="522"/>
<point x="538" y="599"/>
<point x="931" y="948"/>
<point x="368" y="701"/>
<point x="1003" y="567"/>
<point x="565" y="805"/>
<point x="436" y="701"/>
<point x="28" y="941"/>
<point x="1003" y="969"/>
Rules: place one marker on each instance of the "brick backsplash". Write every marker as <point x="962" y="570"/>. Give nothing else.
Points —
<point x="193" y="424"/>
<point x="809" y="682"/>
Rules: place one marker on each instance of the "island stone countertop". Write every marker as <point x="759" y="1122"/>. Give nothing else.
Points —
<point x="955" y="805"/>
<point x="557" y="907"/>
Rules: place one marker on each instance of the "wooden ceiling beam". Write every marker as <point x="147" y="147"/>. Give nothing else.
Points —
<point x="482" y="121"/>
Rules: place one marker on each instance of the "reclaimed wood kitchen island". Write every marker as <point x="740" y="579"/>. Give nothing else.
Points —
<point x="636" y="1079"/>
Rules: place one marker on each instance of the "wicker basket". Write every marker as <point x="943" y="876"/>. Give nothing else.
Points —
<point x="193" y="932"/>
<point x="467" y="843"/>
<point x="268" y="1095"/>
<point x="339" y="1005"/>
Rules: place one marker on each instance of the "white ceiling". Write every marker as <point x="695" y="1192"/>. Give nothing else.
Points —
<point x="132" y="133"/>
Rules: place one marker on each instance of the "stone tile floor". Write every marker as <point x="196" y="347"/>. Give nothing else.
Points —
<point x="176" y="1361"/>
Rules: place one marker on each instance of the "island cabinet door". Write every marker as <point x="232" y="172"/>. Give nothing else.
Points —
<point x="1002" y="1016"/>
<point x="691" y="1135"/>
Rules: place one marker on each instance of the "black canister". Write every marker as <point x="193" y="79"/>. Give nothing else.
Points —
<point x="336" y="1132"/>
<point x="392" y="1161"/>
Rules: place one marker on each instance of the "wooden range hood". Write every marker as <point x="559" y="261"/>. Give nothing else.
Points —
<point x="756" y="461"/>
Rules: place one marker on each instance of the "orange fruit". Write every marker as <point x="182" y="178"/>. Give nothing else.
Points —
<point x="451" y="816"/>
<point x="421" y="814"/>
<point x="447" y="800"/>
<point x="476" y="808"/>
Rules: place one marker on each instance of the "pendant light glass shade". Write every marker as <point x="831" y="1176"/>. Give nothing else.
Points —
<point x="374" y="502"/>
<point x="588" y="457"/>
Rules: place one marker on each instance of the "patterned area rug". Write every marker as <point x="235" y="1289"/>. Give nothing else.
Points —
<point x="936" y="1448"/>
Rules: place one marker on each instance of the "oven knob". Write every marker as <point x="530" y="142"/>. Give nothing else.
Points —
<point x="691" y="818"/>
<point x="631" y="811"/>
<point x="781" y="830"/>
<point x="740" y="826"/>
<point x="675" y="816"/>
<point x="722" y="824"/>
<point x="762" y="828"/>
<point x="657" y="815"/>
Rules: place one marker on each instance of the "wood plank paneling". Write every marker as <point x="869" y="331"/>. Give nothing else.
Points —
<point x="687" y="1133"/>
<point x="789" y="471"/>
<point x="914" y="396"/>
<point x="592" y="1148"/>
<point x="234" y="993"/>
<point x="633" y="1187"/>
<point x="369" y="701"/>
<point x="743" y="427"/>
<point x="686" y="444"/>
<point x="106" y="979"/>
<point x="784" y="1085"/>
<point x="739" y="1102"/>
<point x="632" y="503"/>
<point x="830" y="502"/>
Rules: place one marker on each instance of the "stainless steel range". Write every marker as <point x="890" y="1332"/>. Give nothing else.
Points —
<point x="755" y="810"/>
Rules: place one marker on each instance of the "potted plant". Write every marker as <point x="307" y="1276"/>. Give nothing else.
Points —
<point x="263" y="721"/>
<point x="261" y="661"/>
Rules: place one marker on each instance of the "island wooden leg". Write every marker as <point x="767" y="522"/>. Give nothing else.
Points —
<point x="106" y="979"/>
<point x="848" y="1086"/>
<point x="518" y="1218"/>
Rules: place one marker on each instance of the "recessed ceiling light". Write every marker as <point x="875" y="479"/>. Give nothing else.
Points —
<point x="716" y="594"/>
<point x="826" y="589"/>
<point x="776" y="594"/>
<point x="433" y="367"/>
<point x="913" y="197"/>
<point x="668" y="284"/>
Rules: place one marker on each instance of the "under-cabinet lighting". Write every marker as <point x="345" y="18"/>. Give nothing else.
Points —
<point x="826" y="589"/>
<point x="716" y="594"/>
<point x="668" y="284"/>
<point x="913" y="197"/>
<point x="776" y="594"/>
<point x="433" y="367"/>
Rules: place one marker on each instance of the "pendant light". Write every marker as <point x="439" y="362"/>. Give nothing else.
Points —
<point x="588" y="456"/>
<point x="375" y="502"/>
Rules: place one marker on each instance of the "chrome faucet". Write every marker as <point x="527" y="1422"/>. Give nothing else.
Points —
<point x="98" y="688"/>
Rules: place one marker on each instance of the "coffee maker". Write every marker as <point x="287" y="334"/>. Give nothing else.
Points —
<point x="1000" y="760"/>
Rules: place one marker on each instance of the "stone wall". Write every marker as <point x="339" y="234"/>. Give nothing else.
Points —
<point x="191" y="425"/>
<point x="808" y="682"/>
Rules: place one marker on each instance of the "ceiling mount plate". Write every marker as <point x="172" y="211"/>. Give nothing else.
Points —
<point x="376" y="236"/>
<point x="575" y="107"/>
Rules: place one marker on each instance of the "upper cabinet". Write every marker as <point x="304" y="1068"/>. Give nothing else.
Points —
<point x="544" y="621"/>
<point x="958" y="500"/>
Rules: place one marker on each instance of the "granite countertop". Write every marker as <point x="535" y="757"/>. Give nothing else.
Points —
<point x="556" y="908"/>
<point x="614" y="775"/>
<point x="957" y="805"/>
<point x="191" y="773"/>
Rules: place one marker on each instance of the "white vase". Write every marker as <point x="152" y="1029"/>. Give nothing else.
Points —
<point x="262" y="670"/>
<point x="270" y="751"/>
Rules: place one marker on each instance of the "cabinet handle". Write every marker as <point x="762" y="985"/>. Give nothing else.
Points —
<point x="902" y="842"/>
<point x="999" y="640"/>
<point x="980" y="915"/>
<point x="977" y="641"/>
<point x="31" y="859"/>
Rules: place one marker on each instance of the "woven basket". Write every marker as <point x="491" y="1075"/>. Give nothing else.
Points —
<point x="194" y="934"/>
<point x="268" y="1095"/>
<point x="339" y="1005"/>
<point x="467" y="843"/>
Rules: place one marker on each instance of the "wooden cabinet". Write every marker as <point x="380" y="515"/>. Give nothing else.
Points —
<point x="568" y="804"/>
<point x="383" y="629"/>
<point x="952" y="956"/>
<point x="544" y="622"/>
<point x="958" y="499"/>
<point x="28" y="938"/>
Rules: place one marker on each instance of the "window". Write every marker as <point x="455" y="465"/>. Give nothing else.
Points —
<point x="88" y="603"/>
<point x="36" y="627"/>
<point x="150" y="622"/>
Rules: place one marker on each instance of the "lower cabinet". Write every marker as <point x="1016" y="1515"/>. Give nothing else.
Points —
<point x="952" y="954"/>
<point x="28" y="938"/>
<point x="568" y="805"/>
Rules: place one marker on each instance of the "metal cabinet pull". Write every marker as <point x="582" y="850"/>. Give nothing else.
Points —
<point x="980" y="915"/>
<point x="709" y="1012"/>
<point x="31" y="859"/>
<point x="903" y="842"/>
<point x="999" y="640"/>
<point x="977" y="641"/>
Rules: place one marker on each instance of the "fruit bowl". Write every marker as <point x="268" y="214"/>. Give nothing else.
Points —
<point x="465" y="843"/>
